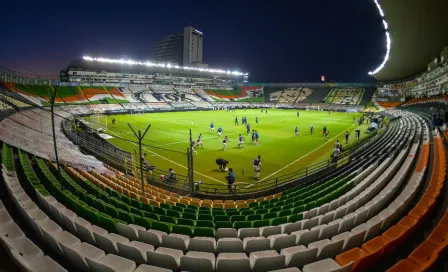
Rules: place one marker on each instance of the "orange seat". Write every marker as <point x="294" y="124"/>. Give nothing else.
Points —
<point x="269" y="197"/>
<point x="376" y="244"/>
<point x="218" y="205"/>
<point x="439" y="237"/>
<point x="229" y="206"/>
<point x="395" y="235"/>
<point x="408" y="222"/>
<point x="426" y="202"/>
<point x="239" y="202"/>
<point x="242" y="205"/>
<point x="277" y="195"/>
<point x="424" y="255"/>
<point x="418" y="211"/>
<point x="184" y="201"/>
<point x="154" y="203"/>
<point x="444" y="220"/>
<point x="250" y="201"/>
<point x="195" y="203"/>
<point x="207" y="201"/>
<point x="217" y="202"/>
<point x="206" y="204"/>
<point x="352" y="255"/>
<point x="169" y="202"/>
<point x="229" y="202"/>
<point x="404" y="266"/>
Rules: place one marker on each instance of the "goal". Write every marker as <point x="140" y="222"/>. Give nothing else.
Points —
<point x="98" y="122"/>
<point x="315" y="108"/>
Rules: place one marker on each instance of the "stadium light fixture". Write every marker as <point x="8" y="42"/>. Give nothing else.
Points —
<point x="388" y="40"/>
<point x="164" y="65"/>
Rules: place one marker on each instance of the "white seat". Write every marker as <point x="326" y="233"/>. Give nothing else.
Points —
<point x="26" y="249"/>
<point x="374" y="227"/>
<point x="329" y="231"/>
<point x="327" y="265"/>
<point x="150" y="268"/>
<point x="291" y="269"/>
<point x="108" y="242"/>
<point x="176" y="241"/>
<point x="165" y="257"/>
<point x="310" y="214"/>
<point x="347" y="223"/>
<point x="309" y="224"/>
<point x="204" y="244"/>
<point x="68" y="220"/>
<point x="230" y="245"/>
<point x="291" y="227"/>
<point x="340" y="212"/>
<point x="55" y="209"/>
<point x="195" y="261"/>
<point x="298" y="256"/>
<point x="351" y="239"/>
<point x="63" y="237"/>
<point x="361" y="214"/>
<point x="77" y="255"/>
<point x="111" y="263"/>
<point x="248" y="232"/>
<point x="85" y="230"/>
<point x="11" y="232"/>
<point x="327" y="248"/>
<point x="135" y="251"/>
<point x="280" y="241"/>
<point x="304" y="237"/>
<point x="152" y="237"/>
<point x="226" y="233"/>
<point x="44" y="263"/>
<point x="323" y="209"/>
<point x="5" y="218"/>
<point x="327" y="218"/>
<point x="48" y="226"/>
<point x="252" y="244"/>
<point x="262" y="261"/>
<point x="270" y="230"/>
<point x="129" y="231"/>
<point x="235" y="262"/>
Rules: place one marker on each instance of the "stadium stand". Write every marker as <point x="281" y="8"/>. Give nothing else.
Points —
<point x="101" y="220"/>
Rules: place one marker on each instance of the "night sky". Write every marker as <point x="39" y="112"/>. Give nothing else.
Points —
<point x="274" y="41"/>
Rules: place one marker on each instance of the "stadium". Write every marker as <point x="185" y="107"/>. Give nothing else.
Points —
<point x="122" y="164"/>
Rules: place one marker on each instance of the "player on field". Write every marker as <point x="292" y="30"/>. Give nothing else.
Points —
<point x="256" y="137"/>
<point x="236" y="121"/>
<point x="296" y="131"/>
<point x="199" y="142"/>
<point x="346" y="136"/>
<point x="336" y="144"/>
<point x="248" y="128"/>
<point x="192" y="144"/>
<point x="253" y="135"/>
<point x="219" y="131"/>
<point x="256" y="120"/>
<point x="311" y="129"/>
<point x="222" y="163"/>
<point x="324" y="130"/>
<point x="200" y="135"/>
<point x="298" y="114"/>
<point x="212" y="127"/>
<point x="327" y="134"/>
<point x="240" y="141"/>
<point x="224" y="143"/>
<point x="113" y="121"/>
<point x="257" y="166"/>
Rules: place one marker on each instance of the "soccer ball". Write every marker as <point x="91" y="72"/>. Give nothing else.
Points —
<point x="227" y="169"/>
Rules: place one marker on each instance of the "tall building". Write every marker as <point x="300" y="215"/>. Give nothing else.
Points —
<point x="182" y="48"/>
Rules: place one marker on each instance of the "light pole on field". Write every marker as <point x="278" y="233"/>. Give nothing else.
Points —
<point x="52" y="97"/>
<point x="140" y="138"/>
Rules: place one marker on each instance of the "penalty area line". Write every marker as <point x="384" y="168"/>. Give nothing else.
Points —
<point x="281" y="169"/>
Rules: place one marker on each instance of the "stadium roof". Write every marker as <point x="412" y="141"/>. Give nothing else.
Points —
<point x="419" y="32"/>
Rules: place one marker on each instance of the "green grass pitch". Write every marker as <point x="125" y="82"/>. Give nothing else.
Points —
<point x="281" y="150"/>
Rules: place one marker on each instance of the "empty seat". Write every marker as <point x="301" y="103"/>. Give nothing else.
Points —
<point x="61" y="238"/>
<point x="262" y="261"/>
<point x="291" y="227"/>
<point x="129" y="231"/>
<point x="25" y="249"/>
<point x="304" y="237"/>
<point x="280" y="241"/>
<point x="46" y="264"/>
<point x="110" y="261"/>
<point x="328" y="265"/>
<point x="235" y="262"/>
<point x="327" y="248"/>
<point x="10" y="232"/>
<point x="108" y="242"/>
<point x="204" y="244"/>
<point x="291" y="269"/>
<point x="252" y="244"/>
<point x="271" y="230"/>
<point x="152" y="237"/>
<point x="150" y="268"/>
<point x="230" y="245"/>
<point x="77" y="255"/>
<point x="135" y="251"/>
<point x="298" y="256"/>
<point x="176" y="241"/>
<point x="195" y="261"/>
<point x="248" y="232"/>
<point x="165" y="257"/>
<point x="226" y="233"/>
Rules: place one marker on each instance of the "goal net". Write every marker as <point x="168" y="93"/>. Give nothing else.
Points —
<point x="98" y="122"/>
<point x="315" y="108"/>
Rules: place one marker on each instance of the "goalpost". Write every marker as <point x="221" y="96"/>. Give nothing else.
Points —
<point x="315" y="108"/>
<point x="98" y="122"/>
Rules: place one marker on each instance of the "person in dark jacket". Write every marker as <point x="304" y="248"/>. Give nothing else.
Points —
<point x="222" y="163"/>
<point x="230" y="180"/>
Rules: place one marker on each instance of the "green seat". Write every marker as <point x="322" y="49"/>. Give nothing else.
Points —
<point x="285" y="213"/>
<point x="269" y="206"/>
<point x="294" y="218"/>
<point x="177" y="208"/>
<point x="289" y="201"/>
<point x="204" y="232"/>
<point x="262" y="211"/>
<point x="111" y="210"/>
<point x="223" y="224"/>
<point x="231" y="212"/>
<point x="114" y="194"/>
<point x="104" y="197"/>
<point x="185" y="230"/>
<point x="136" y="211"/>
<point x="167" y="219"/>
<point x="264" y="202"/>
<point x="174" y="214"/>
<point x="113" y="201"/>
<point x="238" y="218"/>
<point x="275" y="209"/>
<point x="254" y="217"/>
<point x="206" y="217"/>
<point x="92" y="215"/>
<point x="125" y="216"/>
<point x="256" y="208"/>
<point x="162" y="226"/>
<point x="242" y="224"/>
<point x="310" y="205"/>
<point x="124" y="206"/>
<point x="147" y="207"/>
<point x="270" y="215"/>
<point x="208" y="212"/>
<point x="159" y="211"/>
<point x="151" y="215"/>
<point x="165" y="206"/>
<point x="287" y="207"/>
<point x="253" y="204"/>
<point x="193" y="207"/>
<point x="298" y="209"/>
<point x="190" y="216"/>
<point x="220" y="212"/>
<point x="205" y="224"/>
<point x="108" y="223"/>
<point x="222" y="218"/>
<point x="144" y="222"/>
<point x="181" y="205"/>
<point x="205" y="209"/>
<point x="186" y="222"/>
<point x="90" y="199"/>
<point x="278" y="203"/>
<point x="136" y="204"/>
<point x="260" y="223"/>
<point x="126" y="199"/>
<point x="278" y="221"/>
<point x="247" y="212"/>
<point x="188" y="210"/>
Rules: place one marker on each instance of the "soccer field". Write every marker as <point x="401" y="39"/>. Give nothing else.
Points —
<point x="280" y="149"/>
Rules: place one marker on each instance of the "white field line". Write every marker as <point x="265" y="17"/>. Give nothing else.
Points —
<point x="215" y="137"/>
<point x="178" y="164"/>
<point x="281" y="169"/>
